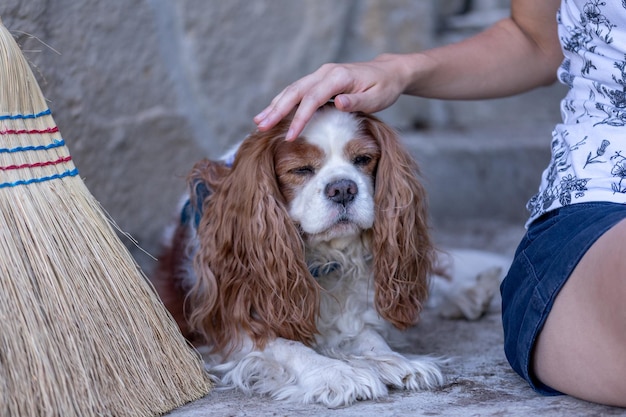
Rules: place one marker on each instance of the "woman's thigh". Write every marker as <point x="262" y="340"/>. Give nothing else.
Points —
<point x="581" y="350"/>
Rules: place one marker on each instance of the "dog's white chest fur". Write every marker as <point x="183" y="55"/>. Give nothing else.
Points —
<point x="347" y="299"/>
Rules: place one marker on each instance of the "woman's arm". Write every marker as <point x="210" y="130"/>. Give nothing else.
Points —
<point x="512" y="56"/>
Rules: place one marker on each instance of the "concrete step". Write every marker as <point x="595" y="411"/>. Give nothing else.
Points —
<point x="482" y="173"/>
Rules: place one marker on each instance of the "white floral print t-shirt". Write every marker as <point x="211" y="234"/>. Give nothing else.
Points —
<point x="589" y="147"/>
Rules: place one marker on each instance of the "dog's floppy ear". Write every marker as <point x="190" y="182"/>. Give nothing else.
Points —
<point x="171" y="277"/>
<point x="403" y="252"/>
<point x="251" y="271"/>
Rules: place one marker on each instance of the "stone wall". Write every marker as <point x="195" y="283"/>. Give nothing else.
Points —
<point x="141" y="89"/>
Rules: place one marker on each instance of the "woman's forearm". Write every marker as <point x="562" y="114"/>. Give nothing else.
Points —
<point x="501" y="61"/>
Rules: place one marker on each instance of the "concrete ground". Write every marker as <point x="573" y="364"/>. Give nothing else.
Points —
<point x="479" y="381"/>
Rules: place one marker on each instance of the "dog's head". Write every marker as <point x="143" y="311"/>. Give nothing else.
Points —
<point x="346" y="177"/>
<point x="327" y="178"/>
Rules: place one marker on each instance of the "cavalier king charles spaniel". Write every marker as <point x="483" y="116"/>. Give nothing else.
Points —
<point x="295" y="263"/>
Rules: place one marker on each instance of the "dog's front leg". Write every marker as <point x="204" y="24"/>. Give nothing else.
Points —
<point x="370" y="350"/>
<point x="291" y="371"/>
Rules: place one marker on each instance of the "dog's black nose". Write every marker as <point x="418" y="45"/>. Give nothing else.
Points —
<point x="342" y="191"/>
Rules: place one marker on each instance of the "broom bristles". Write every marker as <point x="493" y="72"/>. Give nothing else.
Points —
<point x="82" y="332"/>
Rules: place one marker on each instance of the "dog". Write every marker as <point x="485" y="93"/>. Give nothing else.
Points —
<point x="297" y="264"/>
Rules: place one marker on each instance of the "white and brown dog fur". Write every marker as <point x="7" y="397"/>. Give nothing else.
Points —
<point x="298" y="263"/>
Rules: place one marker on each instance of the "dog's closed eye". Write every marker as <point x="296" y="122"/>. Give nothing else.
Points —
<point x="306" y="171"/>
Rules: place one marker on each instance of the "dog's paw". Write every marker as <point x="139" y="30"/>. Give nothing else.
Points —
<point x="339" y="385"/>
<point x="471" y="288"/>
<point x="397" y="371"/>
<point x="471" y="301"/>
<point x="255" y="374"/>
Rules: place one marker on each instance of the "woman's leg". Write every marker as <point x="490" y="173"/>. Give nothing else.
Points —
<point x="581" y="350"/>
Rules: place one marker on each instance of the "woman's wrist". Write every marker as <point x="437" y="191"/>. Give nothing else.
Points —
<point x="410" y="71"/>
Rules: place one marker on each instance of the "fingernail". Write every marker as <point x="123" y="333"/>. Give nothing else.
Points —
<point x="343" y="101"/>
<point x="260" y="116"/>
<point x="289" y="135"/>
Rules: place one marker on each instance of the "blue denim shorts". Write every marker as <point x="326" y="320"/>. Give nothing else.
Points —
<point x="545" y="258"/>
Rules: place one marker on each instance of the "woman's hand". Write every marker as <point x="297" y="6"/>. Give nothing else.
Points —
<point x="365" y="86"/>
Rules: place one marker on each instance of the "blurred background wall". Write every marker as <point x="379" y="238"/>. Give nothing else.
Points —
<point x="141" y="89"/>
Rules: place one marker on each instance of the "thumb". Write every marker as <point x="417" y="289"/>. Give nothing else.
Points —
<point x="345" y="102"/>
<point x="368" y="102"/>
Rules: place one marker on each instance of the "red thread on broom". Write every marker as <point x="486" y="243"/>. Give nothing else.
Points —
<point x="29" y="132"/>
<point x="37" y="164"/>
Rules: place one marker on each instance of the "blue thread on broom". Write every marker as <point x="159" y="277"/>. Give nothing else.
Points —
<point x="68" y="173"/>
<point x="56" y="143"/>
<point x="25" y="116"/>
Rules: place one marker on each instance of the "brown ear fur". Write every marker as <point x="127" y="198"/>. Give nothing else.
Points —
<point x="170" y="276"/>
<point x="403" y="252"/>
<point x="250" y="267"/>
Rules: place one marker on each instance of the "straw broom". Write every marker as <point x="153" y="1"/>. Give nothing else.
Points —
<point x="82" y="333"/>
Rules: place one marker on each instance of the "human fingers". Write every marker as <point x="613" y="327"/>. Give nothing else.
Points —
<point x="307" y="94"/>
<point x="356" y="87"/>
<point x="289" y="98"/>
<point x="366" y="101"/>
<point x="270" y="115"/>
<point x="302" y="115"/>
<point x="370" y="100"/>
